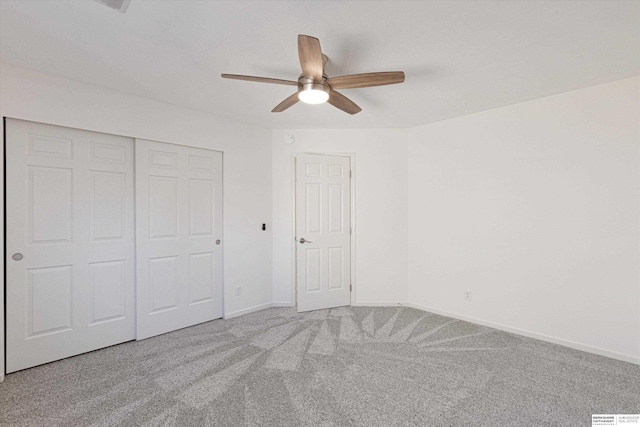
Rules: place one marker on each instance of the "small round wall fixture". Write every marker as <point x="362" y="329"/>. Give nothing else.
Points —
<point x="289" y="138"/>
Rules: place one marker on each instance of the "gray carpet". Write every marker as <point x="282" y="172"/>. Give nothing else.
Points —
<point x="351" y="366"/>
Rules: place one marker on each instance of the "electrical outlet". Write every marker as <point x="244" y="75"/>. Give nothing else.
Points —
<point x="238" y="291"/>
<point x="467" y="295"/>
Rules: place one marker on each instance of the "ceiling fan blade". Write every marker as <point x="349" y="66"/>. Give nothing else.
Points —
<point x="292" y="100"/>
<point x="310" y="57"/>
<point x="366" y="80"/>
<point x="342" y="102"/>
<point x="259" y="79"/>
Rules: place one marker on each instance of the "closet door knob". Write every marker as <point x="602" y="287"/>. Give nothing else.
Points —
<point x="17" y="256"/>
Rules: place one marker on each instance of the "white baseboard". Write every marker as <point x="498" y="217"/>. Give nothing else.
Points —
<point x="253" y="309"/>
<point x="282" y="304"/>
<point x="541" y="337"/>
<point x="377" y="304"/>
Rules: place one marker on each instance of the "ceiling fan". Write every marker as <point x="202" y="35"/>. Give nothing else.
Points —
<point x="315" y="87"/>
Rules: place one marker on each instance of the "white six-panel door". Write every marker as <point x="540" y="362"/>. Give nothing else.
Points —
<point x="70" y="242"/>
<point x="179" y="236"/>
<point x="323" y="231"/>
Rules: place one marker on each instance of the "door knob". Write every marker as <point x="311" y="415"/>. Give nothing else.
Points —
<point x="17" y="256"/>
<point x="218" y="242"/>
<point x="302" y="240"/>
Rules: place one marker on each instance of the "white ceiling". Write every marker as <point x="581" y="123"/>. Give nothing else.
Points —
<point x="459" y="56"/>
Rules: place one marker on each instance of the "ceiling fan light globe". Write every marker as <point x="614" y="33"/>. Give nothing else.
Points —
<point x="313" y="93"/>
<point x="313" y="96"/>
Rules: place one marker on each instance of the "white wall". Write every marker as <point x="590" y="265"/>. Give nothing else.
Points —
<point x="380" y="206"/>
<point x="534" y="208"/>
<point x="247" y="168"/>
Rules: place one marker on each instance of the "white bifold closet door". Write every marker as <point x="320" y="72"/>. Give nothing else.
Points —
<point x="179" y="236"/>
<point x="70" y="242"/>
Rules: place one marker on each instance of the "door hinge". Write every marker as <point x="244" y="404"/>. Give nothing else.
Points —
<point x="350" y="287"/>
<point x="350" y="230"/>
<point x="349" y="173"/>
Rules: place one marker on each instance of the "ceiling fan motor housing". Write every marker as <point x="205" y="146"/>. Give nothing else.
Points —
<point x="313" y="92"/>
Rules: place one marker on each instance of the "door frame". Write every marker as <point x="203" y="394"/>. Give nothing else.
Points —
<point x="294" y="246"/>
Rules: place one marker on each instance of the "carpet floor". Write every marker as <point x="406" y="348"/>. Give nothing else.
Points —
<point x="350" y="366"/>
